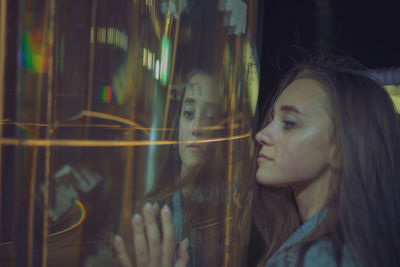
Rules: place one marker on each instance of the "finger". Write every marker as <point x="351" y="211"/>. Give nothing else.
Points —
<point x="123" y="257"/>
<point x="183" y="254"/>
<point x="168" y="244"/>
<point x="156" y="208"/>
<point x="139" y="241"/>
<point x="153" y="236"/>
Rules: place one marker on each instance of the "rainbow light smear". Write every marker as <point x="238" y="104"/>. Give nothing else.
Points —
<point x="78" y="222"/>
<point x="32" y="54"/>
<point x="106" y="94"/>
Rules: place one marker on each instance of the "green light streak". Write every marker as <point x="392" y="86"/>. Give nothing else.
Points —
<point x="165" y="60"/>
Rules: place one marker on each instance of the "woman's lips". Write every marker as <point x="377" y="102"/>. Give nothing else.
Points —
<point x="194" y="148"/>
<point x="262" y="158"/>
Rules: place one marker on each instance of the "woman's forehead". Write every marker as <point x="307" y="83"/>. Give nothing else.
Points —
<point x="202" y="88"/>
<point x="304" y="94"/>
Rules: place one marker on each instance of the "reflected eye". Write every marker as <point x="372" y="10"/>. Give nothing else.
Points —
<point x="188" y="112"/>
<point x="210" y="114"/>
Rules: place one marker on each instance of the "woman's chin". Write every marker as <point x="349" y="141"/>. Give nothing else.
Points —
<point x="267" y="179"/>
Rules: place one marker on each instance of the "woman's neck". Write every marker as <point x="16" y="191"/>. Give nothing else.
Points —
<point x="312" y="197"/>
<point x="184" y="171"/>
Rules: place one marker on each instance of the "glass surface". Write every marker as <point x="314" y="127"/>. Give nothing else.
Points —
<point x="108" y="105"/>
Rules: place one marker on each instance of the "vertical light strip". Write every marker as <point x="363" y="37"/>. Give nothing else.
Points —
<point x="144" y="57"/>
<point x="233" y="86"/>
<point x="91" y="35"/>
<point x="49" y="112"/>
<point x="157" y="70"/>
<point x="171" y="77"/>
<point x="3" y="21"/>
<point x="34" y="155"/>
<point x="91" y="64"/>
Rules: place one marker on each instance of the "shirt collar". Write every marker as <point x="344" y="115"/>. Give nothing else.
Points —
<point x="304" y="230"/>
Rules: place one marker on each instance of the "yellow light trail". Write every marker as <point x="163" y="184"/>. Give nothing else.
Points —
<point x="105" y="143"/>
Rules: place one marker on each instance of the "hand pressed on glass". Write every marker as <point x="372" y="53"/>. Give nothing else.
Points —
<point x="152" y="249"/>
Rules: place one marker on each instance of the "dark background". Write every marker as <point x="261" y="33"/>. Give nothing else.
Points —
<point x="366" y="30"/>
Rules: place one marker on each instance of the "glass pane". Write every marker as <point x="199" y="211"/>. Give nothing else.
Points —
<point x="111" y="104"/>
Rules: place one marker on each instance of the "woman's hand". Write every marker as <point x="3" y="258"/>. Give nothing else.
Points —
<point x="152" y="250"/>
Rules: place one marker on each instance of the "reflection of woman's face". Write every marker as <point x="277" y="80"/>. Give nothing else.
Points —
<point x="296" y="145"/>
<point x="199" y="110"/>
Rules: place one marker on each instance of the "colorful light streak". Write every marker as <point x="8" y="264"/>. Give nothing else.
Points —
<point x="165" y="60"/>
<point x="106" y="94"/>
<point x="78" y="222"/>
<point x="32" y="54"/>
<point x="25" y="129"/>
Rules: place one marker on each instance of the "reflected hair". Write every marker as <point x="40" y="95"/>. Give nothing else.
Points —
<point x="205" y="174"/>
<point x="363" y="210"/>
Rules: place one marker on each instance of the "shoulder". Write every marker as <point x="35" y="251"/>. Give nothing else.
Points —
<point x="319" y="254"/>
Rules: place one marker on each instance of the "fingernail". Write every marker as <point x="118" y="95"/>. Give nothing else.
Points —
<point x="186" y="242"/>
<point x="166" y="210"/>
<point x="137" y="219"/>
<point x="117" y="241"/>
<point x="148" y="208"/>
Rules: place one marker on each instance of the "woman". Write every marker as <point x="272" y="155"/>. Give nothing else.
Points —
<point x="198" y="183"/>
<point x="331" y="143"/>
<point x="328" y="175"/>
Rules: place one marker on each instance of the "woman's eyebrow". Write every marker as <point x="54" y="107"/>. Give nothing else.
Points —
<point x="289" y="108"/>
<point x="189" y="100"/>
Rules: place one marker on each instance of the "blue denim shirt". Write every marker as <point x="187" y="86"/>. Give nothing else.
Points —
<point x="319" y="254"/>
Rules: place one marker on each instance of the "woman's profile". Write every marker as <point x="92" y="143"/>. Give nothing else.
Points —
<point x="328" y="177"/>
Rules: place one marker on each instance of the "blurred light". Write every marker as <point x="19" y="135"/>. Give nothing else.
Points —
<point x="149" y="60"/>
<point x="92" y="35"/>
<point x="165" y="60"/>
<point x="144" y="57"/>
<point x="110" y="143"/>
<point x="32" y="54"/>
<point x="387" y="76"/>
<point x="157" y="70"/>
<point x="394" y="92"/>
<point x="110" y="36"/>
<point x="106" y="94"/>
<point x="251" y="75"/>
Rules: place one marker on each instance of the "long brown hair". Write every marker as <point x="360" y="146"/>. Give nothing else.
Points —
<point x="363" y="211"/>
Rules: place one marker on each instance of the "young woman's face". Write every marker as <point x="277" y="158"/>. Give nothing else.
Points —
<point x="199" y="111"/>
<point x="297" y="144"/>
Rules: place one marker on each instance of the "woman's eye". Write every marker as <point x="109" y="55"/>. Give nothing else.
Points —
<point x="287" y="124"/>
<point x="188" y="112"/>
<point x="210" y="115"/>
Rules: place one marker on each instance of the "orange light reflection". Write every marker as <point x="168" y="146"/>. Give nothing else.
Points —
<point x="105" y="143"/>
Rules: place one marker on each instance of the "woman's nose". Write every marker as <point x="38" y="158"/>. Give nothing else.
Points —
<point x="196" y="128"/>
<point x="264" y="137"/>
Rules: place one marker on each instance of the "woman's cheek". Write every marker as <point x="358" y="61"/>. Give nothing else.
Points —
<point x="292" y="156"/>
